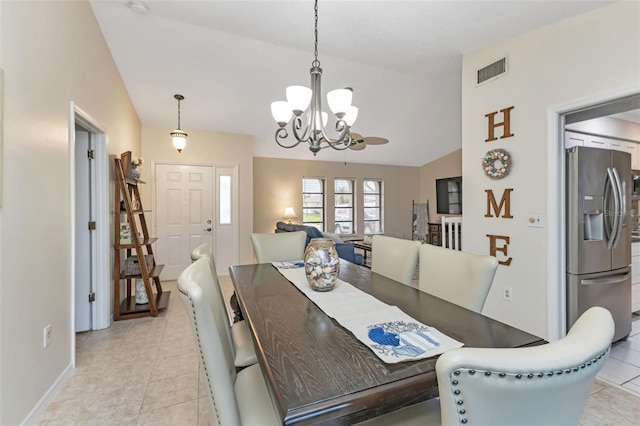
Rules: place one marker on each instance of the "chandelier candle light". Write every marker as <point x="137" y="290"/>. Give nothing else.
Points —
<point x="179" y="137"/>
<point x="300" y="98"/>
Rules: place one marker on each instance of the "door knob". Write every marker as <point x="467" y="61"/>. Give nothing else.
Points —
<point x="208" y="229"/>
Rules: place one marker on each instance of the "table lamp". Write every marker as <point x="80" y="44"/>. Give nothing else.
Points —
<point x="289" y="213"/>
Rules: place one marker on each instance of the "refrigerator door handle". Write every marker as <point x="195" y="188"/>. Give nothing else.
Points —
<point x="608" y="280"/>
<point x="616" y="202"/>
<point x="621" y="206"/>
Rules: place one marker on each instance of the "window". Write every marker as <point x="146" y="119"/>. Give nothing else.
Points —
<point x="372" y="207"/>
<point x="344" y="206"/>
<point x="313" y="202"/>
<point x="225" y="200"/>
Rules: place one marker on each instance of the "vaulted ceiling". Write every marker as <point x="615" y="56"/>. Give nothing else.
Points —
<point x="231" y="59"/>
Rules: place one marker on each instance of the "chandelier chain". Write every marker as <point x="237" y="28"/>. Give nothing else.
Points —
<point x="316" y="63"/>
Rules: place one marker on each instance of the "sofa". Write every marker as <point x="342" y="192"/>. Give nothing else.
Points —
<point x="345" y="251"/>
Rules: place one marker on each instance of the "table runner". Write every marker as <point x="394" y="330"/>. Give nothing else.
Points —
<point x="390" y="333"/>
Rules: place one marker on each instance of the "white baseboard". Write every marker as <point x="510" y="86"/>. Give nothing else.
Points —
<point x="38" y="410"/>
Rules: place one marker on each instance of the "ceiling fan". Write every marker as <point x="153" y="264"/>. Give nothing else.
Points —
<point x="360" y="142"/>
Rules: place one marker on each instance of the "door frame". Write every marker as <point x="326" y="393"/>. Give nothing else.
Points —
<point x="556" y="205"/>
<point x="101" y="308"/>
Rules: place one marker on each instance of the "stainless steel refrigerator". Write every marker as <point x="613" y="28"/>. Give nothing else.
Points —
<point x="599" y="234"/>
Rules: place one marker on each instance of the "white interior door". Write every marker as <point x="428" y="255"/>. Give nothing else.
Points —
<point x="184" y="214"/>
<point x="83" y="246"/>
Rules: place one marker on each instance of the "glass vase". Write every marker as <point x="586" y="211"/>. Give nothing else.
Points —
<point x="321" y="264"/>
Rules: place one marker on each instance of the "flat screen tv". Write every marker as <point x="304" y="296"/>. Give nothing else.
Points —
<point x="449" y="195"/>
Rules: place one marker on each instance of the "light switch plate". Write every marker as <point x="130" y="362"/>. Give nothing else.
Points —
<point x="535" y="221"/>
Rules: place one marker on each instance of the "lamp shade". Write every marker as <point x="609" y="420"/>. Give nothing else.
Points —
<point x="351" y="115"/>
<point x="339" y="100"/>
<point x="281" y="112"/>
<point x="179" y="139"/>
<point x="289" y="213"/>
<point x="324" y="116"/>
<point x="299" y="98"/>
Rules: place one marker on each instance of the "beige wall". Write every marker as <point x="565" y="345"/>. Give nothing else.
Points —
<point x="204" y="148"/>
<point x="448" y="166"/>
<point x="277" y="183"/>
<point x="594" y="54"/>
<point x="52" y="53"/>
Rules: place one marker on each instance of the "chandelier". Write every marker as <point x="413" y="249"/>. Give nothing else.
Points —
<point x="309" y="120"/>
<point x="179" y="137"/>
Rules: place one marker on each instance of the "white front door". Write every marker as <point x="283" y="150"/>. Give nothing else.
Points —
<point x="184" y="214"/>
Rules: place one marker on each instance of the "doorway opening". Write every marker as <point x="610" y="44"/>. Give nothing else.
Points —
<point x="623" y="105"/>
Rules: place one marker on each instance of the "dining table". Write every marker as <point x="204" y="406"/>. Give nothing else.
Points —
<point x="318" y="372"/>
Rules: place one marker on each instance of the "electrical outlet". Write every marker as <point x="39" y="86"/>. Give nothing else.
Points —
<point x="507" y="294"/>
<point x="47" y="335"/>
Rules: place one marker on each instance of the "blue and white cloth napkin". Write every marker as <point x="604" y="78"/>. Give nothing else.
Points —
<point x="389" y="332"/>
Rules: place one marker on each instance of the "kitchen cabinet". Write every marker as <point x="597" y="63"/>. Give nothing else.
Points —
<point x="598" y="142"/>
<point x="632" y="148"/>
<point x="572" y="139"/>
<point x="635" y="277"/>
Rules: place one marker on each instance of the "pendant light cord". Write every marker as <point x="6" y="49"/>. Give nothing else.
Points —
<point x="179" y="114"/>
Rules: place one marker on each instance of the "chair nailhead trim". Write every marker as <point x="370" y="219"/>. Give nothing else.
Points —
<point x="204" y="365"/>
<point x="472" y="372"/>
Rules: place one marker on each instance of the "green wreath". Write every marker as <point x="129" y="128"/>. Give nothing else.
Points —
<point x="496" y="163"/>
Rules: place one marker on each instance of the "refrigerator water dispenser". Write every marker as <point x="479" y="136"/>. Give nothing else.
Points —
<point x="592" y="208"/>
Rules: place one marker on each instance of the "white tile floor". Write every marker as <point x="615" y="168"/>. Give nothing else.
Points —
<point x="145" y="372"/>
<point x="623" y="366"/>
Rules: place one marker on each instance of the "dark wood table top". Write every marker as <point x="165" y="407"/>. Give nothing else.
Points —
<point x="318" y="372"/>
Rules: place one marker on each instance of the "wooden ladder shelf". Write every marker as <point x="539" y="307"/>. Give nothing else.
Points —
<point x="128" y="210"/>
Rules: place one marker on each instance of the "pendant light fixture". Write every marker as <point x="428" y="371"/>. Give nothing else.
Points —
<point x="179" y="137"/>
<point x="309" y="126"/>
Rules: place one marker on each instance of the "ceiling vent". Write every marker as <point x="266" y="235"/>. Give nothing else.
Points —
<point x="492" y="71"/>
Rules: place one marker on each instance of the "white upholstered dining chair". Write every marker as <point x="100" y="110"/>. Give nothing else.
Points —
<point x="451" y="232"/>
<point x="394" y="258"/>
<point x="279" y="247"/>
<point x="235" y="399"/>
<point x="539" y="385"/>
<point x="456" y="276"/>
<point x="238" y="333"/>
